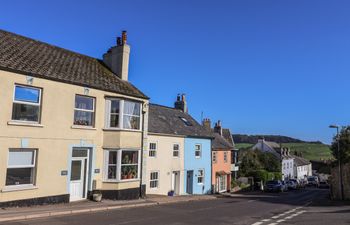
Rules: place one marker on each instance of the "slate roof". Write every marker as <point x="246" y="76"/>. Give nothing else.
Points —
<point x="226" y="133"/>
<point x="298" y="161"/>
<point x="31" y="57"/>
<point x="166" y="120"/>
<point x="272" y="144"/>
<point x="220" y="143"/>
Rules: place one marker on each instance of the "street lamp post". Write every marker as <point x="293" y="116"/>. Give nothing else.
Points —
<point x="339" y="163"/>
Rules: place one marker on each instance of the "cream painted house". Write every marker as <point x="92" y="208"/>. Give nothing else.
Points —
<point x="69" y="124"/>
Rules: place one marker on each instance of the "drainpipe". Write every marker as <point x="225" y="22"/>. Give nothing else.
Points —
<point x="142" y="148"/>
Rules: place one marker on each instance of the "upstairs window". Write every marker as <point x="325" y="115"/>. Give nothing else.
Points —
<point x="26" y="104"/>
<point x="131" y="116"/>
<point x="176" y="150"/>
<point x="198" y="151"/>
<point x="152" y="149"/>
<point x="84" y="111"/>
<point x="214" y="157"/>
<point x="225" y="157"/>
<point x="123" y="114"/>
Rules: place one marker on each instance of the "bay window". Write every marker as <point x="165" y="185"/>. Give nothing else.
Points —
<point x="122" y="165"/>
<point x="84" y="111"/>
<point x="21" y="167"/>
<point x="123" y="114"/>
<point x="26" y="104"/>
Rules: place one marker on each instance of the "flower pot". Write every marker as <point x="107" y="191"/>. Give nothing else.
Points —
<point x="97" y="197"/>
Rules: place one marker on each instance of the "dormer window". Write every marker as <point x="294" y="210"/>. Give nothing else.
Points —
<point x="187" y="123"/>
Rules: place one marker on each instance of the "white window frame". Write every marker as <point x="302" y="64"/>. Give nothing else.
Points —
<point x="225" y="157"/>
<point x="178" y="150"/>
<point x="119" y="165"/>
<point x="150" y="179"/>
<point x="86" y="110"/>
<point x="152" y="150"/>
<point x="202" y="176"/>
<point x="200" y="151"/>
<point x="121" y="114"/>
<point x="27" y="103"/>
<point x="23" y="166"/>
<point x="214" y="157"/>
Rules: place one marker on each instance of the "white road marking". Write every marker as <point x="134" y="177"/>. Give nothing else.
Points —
<point x="296" y="213"/>
<point x="257" y="223"/>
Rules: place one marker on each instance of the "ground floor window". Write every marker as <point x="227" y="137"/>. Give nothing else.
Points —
<point x="121" y="165"/>
<point x="21" y="167"/>
<point x="154" y="180"/>
<point x="200" y="177"/>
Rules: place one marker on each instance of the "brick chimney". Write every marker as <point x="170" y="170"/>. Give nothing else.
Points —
<point x="181" y="103"/>
<point x="117" y="57"/>
<point x="206" y="124"/>
<point x="218" y="128"/>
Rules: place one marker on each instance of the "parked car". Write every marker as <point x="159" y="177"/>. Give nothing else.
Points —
<point x="323" y="184"/>
<point x="292" y="184"/>
<point x="274" y="186"/>
<point x="312" y="181"/>
<point x="284" y="185"/>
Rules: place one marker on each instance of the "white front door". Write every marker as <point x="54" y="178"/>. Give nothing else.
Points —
<point x="78" y="174"/>
<point x="175" y="179"/>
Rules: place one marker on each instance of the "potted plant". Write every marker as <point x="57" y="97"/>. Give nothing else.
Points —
<point x="97" y="196"/>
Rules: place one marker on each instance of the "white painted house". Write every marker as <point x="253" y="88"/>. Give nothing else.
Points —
<point x="287" y="160"/>
<point x="302" y="168"/>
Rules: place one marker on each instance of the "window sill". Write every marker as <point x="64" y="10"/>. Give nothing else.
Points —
<point x="120" y="129"/>
<point x="27" y="124"/>
<point x="18" y="188"/>
<point x="83" y="127"/>
<point x="120" y="181"/>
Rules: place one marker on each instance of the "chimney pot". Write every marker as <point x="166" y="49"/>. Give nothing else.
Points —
<point x="124" y="36"/>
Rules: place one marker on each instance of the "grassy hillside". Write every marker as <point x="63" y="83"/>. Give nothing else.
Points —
<point x="310" y="151"/>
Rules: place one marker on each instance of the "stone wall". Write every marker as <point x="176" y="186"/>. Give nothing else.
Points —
<point x="334" y="182"/>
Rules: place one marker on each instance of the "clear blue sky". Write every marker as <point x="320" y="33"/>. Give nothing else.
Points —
<point x="262" y="67"/>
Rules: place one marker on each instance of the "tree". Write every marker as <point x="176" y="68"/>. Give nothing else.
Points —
<point x="344" y="144"/>
<point x="269" y="161"/>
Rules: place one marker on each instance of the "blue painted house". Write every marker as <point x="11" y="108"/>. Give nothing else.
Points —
<point x="197" y="165"/>
<point x="197" y="152"/>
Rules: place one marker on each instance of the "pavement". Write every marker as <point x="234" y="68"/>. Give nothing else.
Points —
<point x="43" y="211"/>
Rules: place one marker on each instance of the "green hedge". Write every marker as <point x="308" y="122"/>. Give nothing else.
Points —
<point x="263" y="175"/>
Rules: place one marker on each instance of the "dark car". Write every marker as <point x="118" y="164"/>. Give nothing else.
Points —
<point x="274" y="186"/>
<point x="323" y="184"/>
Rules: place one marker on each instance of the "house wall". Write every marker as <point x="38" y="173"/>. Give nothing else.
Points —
<point x="221" y="165"/>
<point x="55" y="137"/>
<point x="194" y="164"/>
<point x="287" y="168"/>
<point x="301" y="172"/>
<point x="165" y="163"/>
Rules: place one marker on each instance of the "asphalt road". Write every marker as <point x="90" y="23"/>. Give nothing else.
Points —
<point x="308" y="206"/>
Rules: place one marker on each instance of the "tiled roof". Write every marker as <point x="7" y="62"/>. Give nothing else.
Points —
<point x="298" y="161"/>
<point x="31" y="57"/>
<point x="166" y="120"/>
<point x="220" y="143"/>
<point x="226" y="133"/>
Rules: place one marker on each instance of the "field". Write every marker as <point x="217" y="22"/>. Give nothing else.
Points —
<point x="310" y="151"/>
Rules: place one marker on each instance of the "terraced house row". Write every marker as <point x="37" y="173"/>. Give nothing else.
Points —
<point x="72" y="125"/>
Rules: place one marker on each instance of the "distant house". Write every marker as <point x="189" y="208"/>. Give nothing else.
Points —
<point x="287" y="160"/>
<point x="292" y="166"/>
<point x="178" y="158"/>
<point x="221" y="158"/>
<point x="302" y="168"/>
